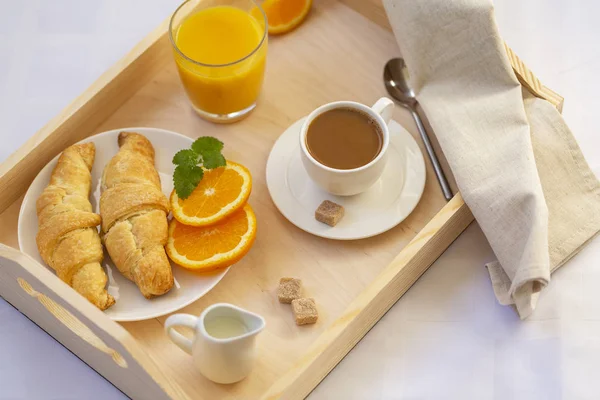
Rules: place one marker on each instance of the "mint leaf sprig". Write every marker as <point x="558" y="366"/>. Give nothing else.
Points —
<point x="204" y="153"/>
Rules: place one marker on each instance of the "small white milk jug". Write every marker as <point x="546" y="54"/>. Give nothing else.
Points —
<point x="223" y="346"/>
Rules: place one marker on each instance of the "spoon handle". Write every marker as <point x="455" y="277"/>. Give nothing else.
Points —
<point x="439" y="172"/>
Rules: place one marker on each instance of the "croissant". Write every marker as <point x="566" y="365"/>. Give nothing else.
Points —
<point x="67" y="238"/>
<point x="134" y="216"/>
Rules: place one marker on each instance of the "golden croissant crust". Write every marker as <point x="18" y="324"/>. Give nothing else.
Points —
<point x="134" y="216"/>
<point x="67" y="238"/>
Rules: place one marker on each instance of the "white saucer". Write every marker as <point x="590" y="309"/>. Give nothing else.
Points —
<point x="387" y="203"/>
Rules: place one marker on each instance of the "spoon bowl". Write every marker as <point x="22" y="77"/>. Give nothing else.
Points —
<point x="396" y="78"/>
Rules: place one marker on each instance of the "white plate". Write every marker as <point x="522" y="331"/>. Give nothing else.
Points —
<point x="130" y="304"/>
<point x="387" y="203"/>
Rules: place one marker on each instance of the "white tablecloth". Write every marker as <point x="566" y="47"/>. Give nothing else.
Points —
<point x="441" y="341"/>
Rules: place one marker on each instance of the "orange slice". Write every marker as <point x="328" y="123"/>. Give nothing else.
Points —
<point x="211" y="247"/>
<point x="221" y="192"/>
<point x="284" y="15"/>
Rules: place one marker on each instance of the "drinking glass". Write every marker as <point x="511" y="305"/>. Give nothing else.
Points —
<point x="220" y="91"/>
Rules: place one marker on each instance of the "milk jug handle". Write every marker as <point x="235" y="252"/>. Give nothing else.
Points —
<point x="187" y="320"/>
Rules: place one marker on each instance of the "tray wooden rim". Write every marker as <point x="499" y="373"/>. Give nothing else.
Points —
<point x="103" y="98"/>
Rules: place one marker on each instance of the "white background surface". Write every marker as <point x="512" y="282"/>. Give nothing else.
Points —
<point x="446" y="338"/>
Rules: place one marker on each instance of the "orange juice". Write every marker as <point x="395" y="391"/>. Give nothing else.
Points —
<point x="221" y="56"/>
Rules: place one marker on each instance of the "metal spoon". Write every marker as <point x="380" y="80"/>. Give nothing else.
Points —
<point x="395" y="76"/>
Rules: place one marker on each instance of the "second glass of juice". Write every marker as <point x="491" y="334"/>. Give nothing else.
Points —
<point x="220" y="48"/>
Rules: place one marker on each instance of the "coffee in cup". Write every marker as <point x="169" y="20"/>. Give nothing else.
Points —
<point x="344" y="145"/>
<point x="344" y="138"/>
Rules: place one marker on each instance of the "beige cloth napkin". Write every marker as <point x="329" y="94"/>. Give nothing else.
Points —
<point x="515" y="161"/>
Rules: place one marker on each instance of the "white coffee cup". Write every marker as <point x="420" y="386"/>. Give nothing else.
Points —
<point x="347" y="182"/>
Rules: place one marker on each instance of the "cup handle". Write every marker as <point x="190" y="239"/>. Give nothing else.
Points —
<point x="385" y="108"/>
<point x="188" y="320"/>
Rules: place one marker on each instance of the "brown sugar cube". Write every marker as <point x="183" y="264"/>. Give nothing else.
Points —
<point x="289" y="289"/>
<point x="305" y="311"/>
<point x="329" y="213"/>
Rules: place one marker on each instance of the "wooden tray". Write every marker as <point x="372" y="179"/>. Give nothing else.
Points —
<point x="337" y="54"/>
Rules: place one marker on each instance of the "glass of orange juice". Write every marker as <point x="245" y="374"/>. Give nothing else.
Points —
<point x="220" y="48"/>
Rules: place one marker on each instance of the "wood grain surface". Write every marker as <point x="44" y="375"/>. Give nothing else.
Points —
<point x="337" y="54"/>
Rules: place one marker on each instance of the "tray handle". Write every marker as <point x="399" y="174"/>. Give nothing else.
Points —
<point x="82" y="328"/>
<point x="528" y="79"/>
<point x="72" y="322"/>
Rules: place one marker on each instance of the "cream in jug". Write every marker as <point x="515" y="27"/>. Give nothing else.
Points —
<point x="223" y="346"/>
